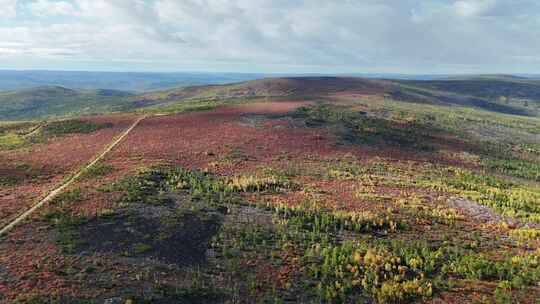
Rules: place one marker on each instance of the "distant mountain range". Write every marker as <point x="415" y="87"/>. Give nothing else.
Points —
<point x="143" y="82"/>
<point x="135" y="82"/>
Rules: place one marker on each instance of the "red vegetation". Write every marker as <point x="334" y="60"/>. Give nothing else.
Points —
<point x="197" y="139"/>
<point x="228" y="141"/>
<point x="50" y="162"/>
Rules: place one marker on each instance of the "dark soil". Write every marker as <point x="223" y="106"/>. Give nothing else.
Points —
<point x="176" y="233"/>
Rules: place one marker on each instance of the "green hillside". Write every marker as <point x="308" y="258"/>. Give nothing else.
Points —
<point x="59" y="101"/>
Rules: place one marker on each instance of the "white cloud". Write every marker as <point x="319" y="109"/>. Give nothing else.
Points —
<point x="8" y="8"/>
<point x="470" y="8"/>
<point x="52" y="8"/>
<point x="282" y="35"/>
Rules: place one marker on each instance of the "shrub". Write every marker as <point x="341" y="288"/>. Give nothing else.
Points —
<point x="390" y="274"/>
<point x="98" y="170"/>
<point x="259" y="184"/>
<point x="518" y="270"/>
<point x="318" y="220"/>
<point x="62" y="127"/>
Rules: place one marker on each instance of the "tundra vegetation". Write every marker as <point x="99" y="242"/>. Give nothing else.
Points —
<point x="342" y="199"/>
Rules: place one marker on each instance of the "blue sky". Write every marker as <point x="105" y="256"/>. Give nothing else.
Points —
<point x="340" y="36"/>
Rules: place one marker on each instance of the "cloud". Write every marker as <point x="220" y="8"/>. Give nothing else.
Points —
<point x="8" y="8"/>
<point x="276" y="35"/>
<point x="468" y="8"/>
<point x="51" y="8"/>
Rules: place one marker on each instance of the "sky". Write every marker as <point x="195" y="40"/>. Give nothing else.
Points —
<point x="272" y="36"/>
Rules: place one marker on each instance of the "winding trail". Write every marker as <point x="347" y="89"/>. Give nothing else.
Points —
<point x="71" y="180"/>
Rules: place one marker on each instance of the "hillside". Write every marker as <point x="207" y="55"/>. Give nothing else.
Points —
<point x="503" y="94"/>
<point x="52" y="101"/>
<point x="269" y="87"/>
<point x="330" y="192"/>
<point x="297" y="190"/>
<point x="484" y="93"/>
<point x="490" y="88"/>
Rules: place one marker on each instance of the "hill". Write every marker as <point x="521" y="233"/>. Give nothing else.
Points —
<point x="334" y="198"/>
<point x="269" y="87"/>
<point x="504" y="95"/>
<point x="491" y="88"/>
<point x="297" y="190"/>
<point x="59" y="101"/>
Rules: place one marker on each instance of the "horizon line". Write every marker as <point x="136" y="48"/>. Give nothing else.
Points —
<point x="262" y="73"/>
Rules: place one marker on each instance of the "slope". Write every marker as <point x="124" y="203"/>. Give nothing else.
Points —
<point x="502" y="89"/>
<point x="496" y="93"/>
<point x="504" y="95"/>
<point x="270" y="87"/>
<point x="59" y="101"/>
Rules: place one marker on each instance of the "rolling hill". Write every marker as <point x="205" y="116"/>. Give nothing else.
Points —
<point x="522" y="97"/>
<point x="300" y="87"/>
<point x="503" y="94"/>
<point x="491" y="88"/>
<point x="59" y="101"/>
